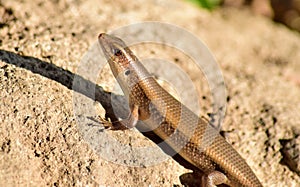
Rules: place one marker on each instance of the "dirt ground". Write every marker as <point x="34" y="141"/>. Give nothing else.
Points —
<point x="42" y="44"/>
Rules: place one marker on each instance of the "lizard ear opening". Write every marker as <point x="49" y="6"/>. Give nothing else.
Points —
<point x="127" y="72"/>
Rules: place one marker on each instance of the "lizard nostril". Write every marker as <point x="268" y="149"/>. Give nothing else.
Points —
<point x="101" y="35"/>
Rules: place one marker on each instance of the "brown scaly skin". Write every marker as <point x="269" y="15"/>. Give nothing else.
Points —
<point x="194" y="139"/>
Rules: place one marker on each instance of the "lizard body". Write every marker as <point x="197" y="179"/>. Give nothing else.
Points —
<point x="194" y="139"/>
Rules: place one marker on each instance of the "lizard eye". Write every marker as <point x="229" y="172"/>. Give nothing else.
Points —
<point x="117" y="52"/>
<point x="127" y="72"/>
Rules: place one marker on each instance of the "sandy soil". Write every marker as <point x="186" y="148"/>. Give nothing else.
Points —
<point x="42" y="44"/>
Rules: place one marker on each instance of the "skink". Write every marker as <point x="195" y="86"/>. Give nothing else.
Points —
<point x="194" y="139"/>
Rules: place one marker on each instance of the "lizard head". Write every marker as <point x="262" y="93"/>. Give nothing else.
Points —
<point x="120" y="59"/>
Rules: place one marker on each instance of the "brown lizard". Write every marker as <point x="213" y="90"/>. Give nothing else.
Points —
<point x="194" y="139"/>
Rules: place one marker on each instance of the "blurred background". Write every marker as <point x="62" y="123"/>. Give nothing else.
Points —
<point x="286" y="12"/>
